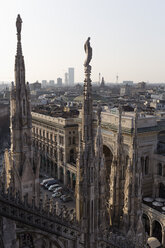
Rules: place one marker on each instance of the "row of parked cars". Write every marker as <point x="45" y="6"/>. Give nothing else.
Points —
<point x="52" y="184"/>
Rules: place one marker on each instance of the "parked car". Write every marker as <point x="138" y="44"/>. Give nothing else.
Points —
<point x="57" y="194"/>
<point x="58" y="189"/>
<point x="53" y="187"/>
<point x="46" y="181"/>
<point x="51" y="182"/>
<point x="67" y="199"/>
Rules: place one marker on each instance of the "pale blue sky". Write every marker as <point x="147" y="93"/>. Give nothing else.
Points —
<point x="127" y="37"/>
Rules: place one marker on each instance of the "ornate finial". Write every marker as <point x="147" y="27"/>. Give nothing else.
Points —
<point x="88" y="51"/>
<point x="19" y="24"/>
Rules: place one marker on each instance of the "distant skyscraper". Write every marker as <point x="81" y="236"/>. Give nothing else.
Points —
<point x="71" y="76"/>
<point x="44" y="83"/>
<point x="128" y="82"/>
<point x="59" y="81"/>
<point x="51" y="82"/>
<point x="66" y="78"/>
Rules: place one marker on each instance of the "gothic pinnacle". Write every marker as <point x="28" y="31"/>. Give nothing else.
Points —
<point x="19" y="26"/>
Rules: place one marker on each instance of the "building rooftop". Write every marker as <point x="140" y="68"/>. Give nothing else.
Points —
<point x="55" y="111"/>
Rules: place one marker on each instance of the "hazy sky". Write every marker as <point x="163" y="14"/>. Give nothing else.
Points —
<point x="127" y="37"/>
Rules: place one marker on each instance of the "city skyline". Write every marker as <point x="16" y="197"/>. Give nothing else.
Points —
<point x="127" y="39"/>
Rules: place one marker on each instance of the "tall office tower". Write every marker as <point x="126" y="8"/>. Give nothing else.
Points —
<point x="51" y="82"/>
<point x="44" y="83"/>
<point x="59" y="82"/>
<point x="66" y="78"/>
<point x="70" y="76"/>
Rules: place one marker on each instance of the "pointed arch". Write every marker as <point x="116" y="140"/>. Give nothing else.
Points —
<point x="157" y="230"/>
<point x="108" y="158"/>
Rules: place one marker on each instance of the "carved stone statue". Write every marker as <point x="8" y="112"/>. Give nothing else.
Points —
<point x="19" y="24"/>
<point x="88" y="51"/>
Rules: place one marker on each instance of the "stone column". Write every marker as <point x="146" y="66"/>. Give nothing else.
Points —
<point x="70" y="244"/>
<point x="50" y="168"/>
<point x="150" y="228"/>
<point x="54" y="174"/>
<point x="55" y="171"/>
<point x="163" y="237"/>
<point x="58" y="172"/>
<point x="45" y="165"/>
<point x="65" y="176"/>
<point x="71" y="180"/>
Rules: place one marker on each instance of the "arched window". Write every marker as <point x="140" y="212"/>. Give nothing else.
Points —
<point x="74" y="180"/>
<point x="47" y="149"/>
<point x="146" y="223"/>
<point x="74" y="140"/>
<point x="161" y="187"/>
<point x="56" y="171"/>
<point x="124" y="167"/>
<point x="25" y="138"/>
<point x="142" y="165"/>
<point x="68" y="178"/>
<point x="72" y="160"/>
<point x="157" y="230"/>
<point x="61" y="155"/>
<point x="146" y="165"/>
<point x="24" y="109"/>
<point x="160" y="169"/>
<point x="61" y="174"/>
<point x="55" y="154"/>
<point x="70" y="140"/>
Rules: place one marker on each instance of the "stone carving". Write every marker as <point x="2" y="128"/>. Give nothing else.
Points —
<point x="88" y="50"/>
<point x="19" y="24"/>
<point x="26" y="240"/>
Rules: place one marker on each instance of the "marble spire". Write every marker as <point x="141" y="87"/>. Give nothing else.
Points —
<point x="19" y="59"/>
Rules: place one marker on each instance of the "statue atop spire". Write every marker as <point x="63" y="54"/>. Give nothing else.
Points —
<point x="88" y="51"/>
<point x="19" y="26"/>
<point x="19" y="48"/>
<point x="87" y="109"/>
